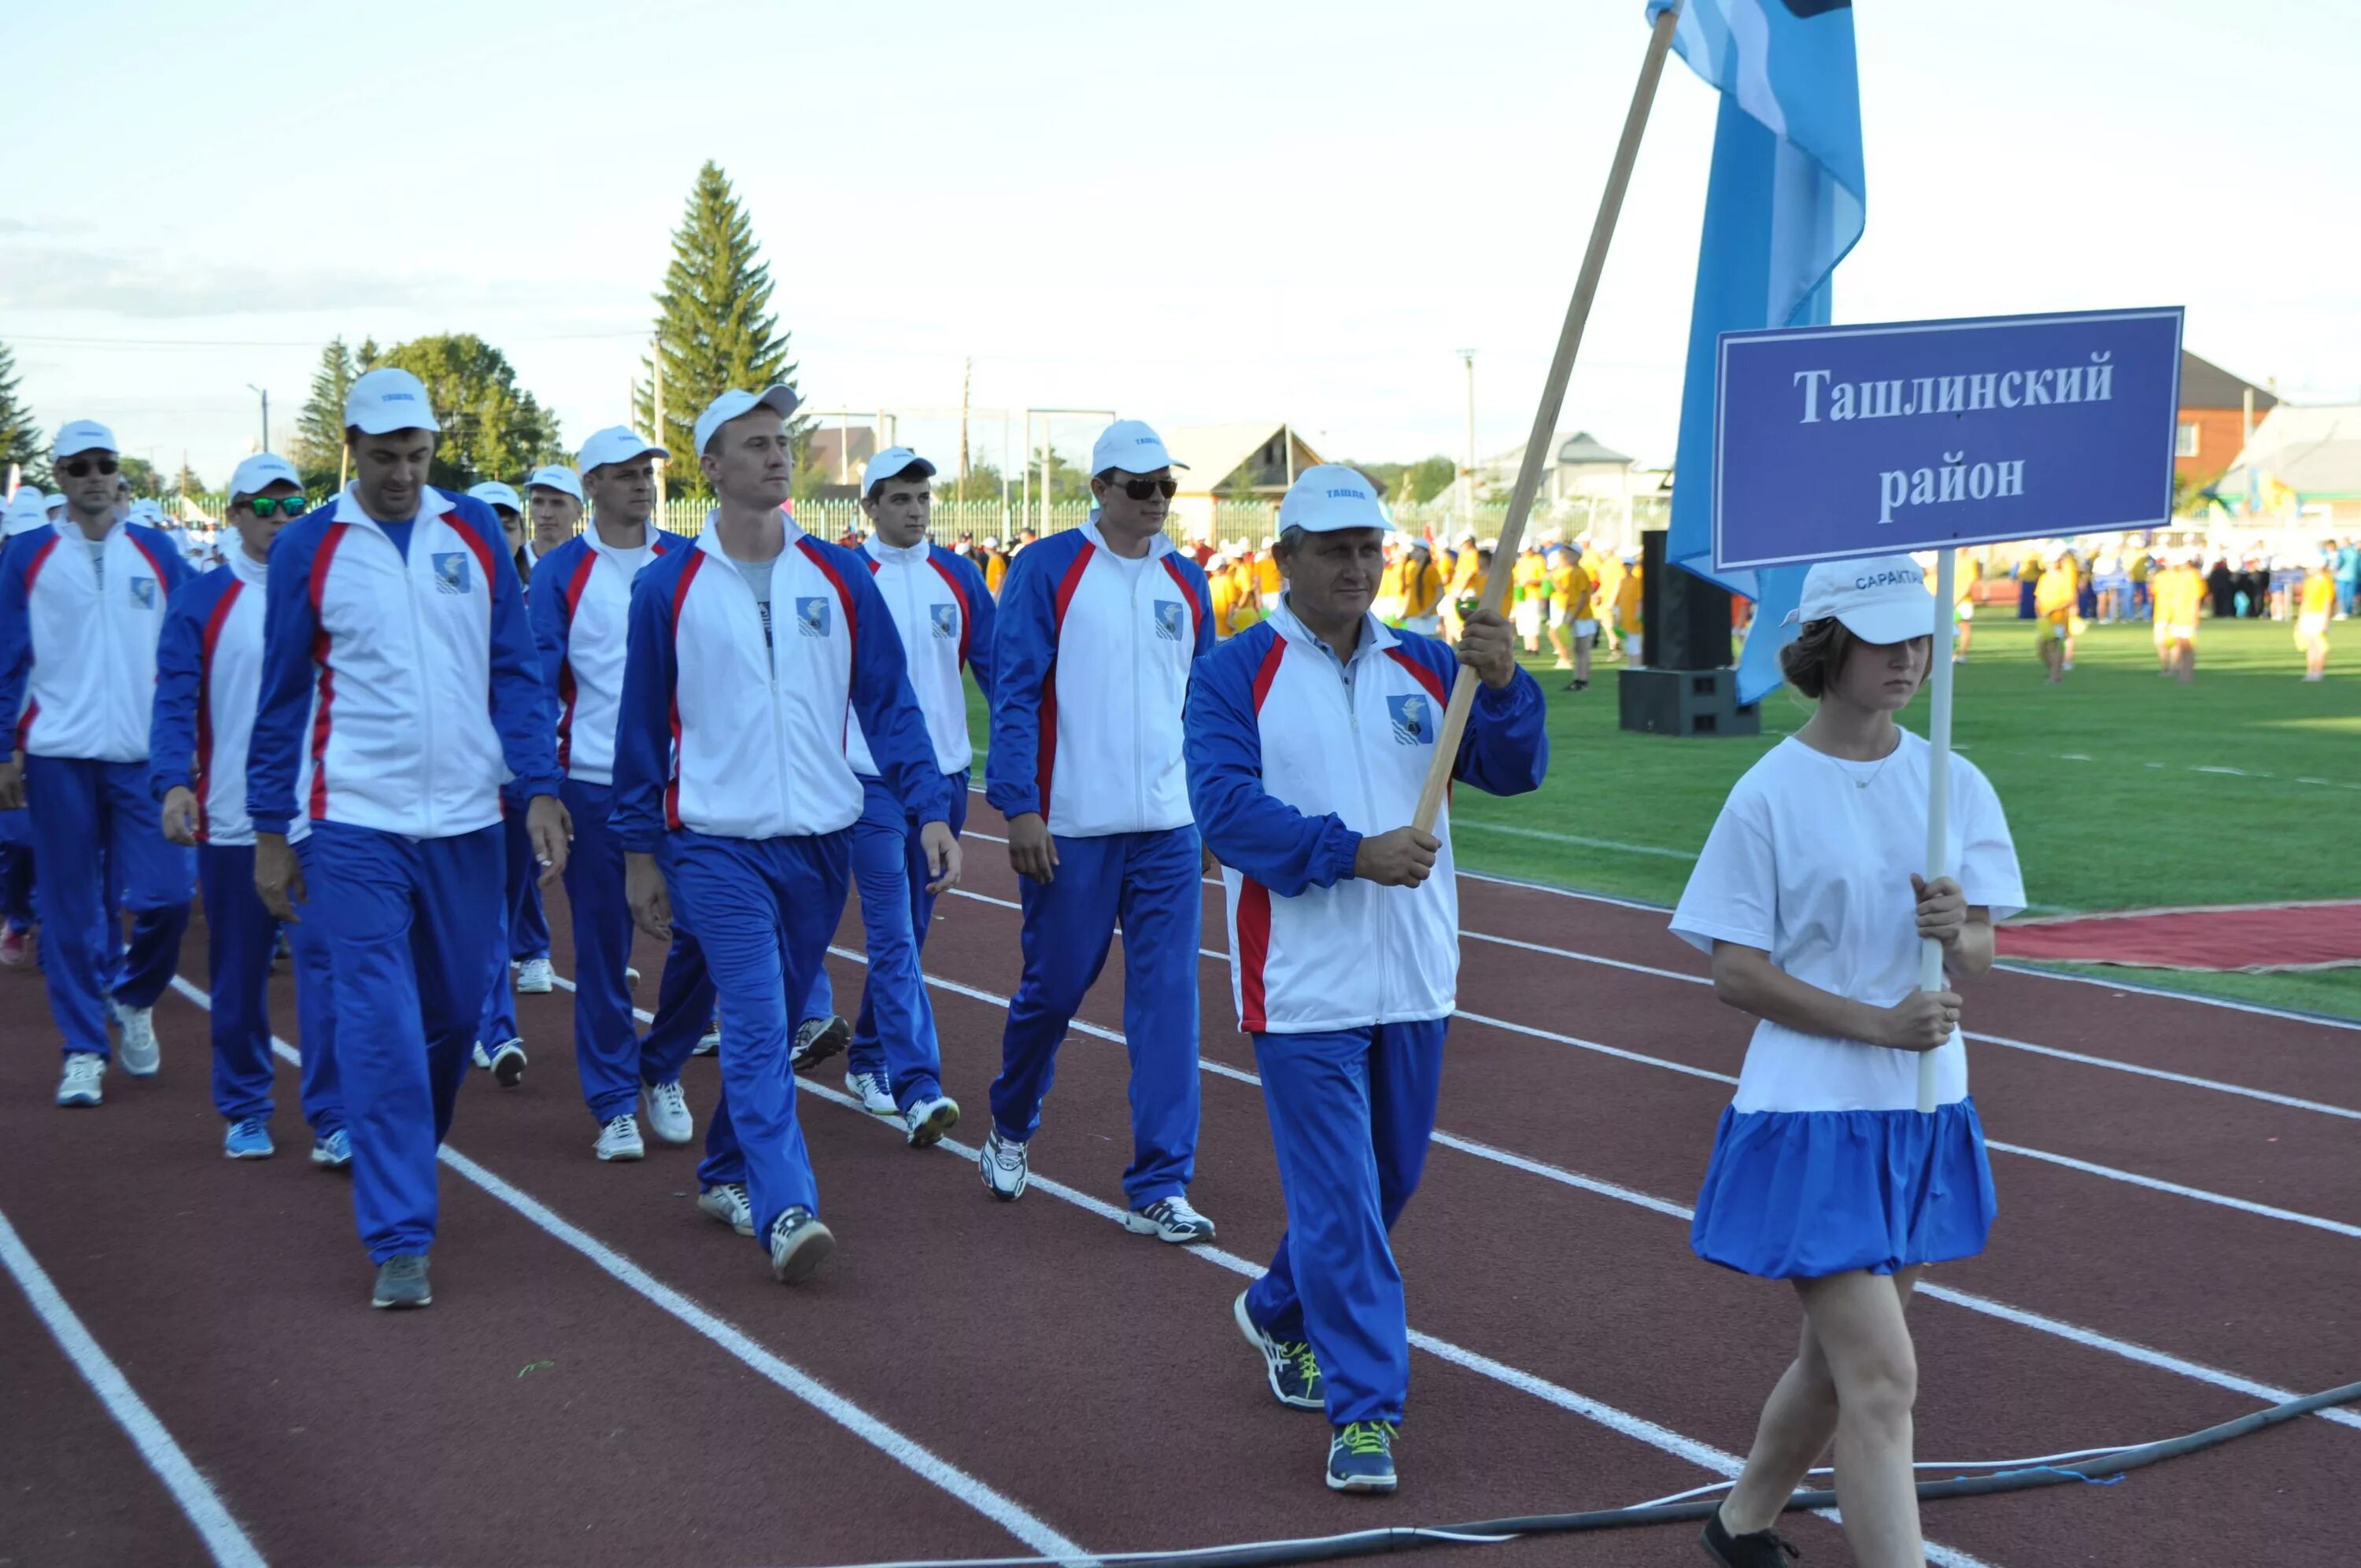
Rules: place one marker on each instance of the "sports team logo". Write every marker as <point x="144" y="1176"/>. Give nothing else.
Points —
<point x="143" y="592"/>
<point x="811" y="617"/>
<point x="1167" y="619"/>
<point x="946" y="620"/>
<point x="451" y="571"/>
<point x="1414" y="717"/>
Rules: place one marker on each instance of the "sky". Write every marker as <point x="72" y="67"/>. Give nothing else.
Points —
<point x="1216" y="213"/>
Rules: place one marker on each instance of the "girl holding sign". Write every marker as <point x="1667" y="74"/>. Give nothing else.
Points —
<point x="1824" y="1173"/>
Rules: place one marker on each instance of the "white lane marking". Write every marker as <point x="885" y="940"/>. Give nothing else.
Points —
<point x="2134" y="1178"/>
<point x="1470" y="824"/>
<point x="904" y="1451"/>
<point x="2258" y="1009"/>
<point x="2089" y="1338"/>
<point x="205" y="1511"/>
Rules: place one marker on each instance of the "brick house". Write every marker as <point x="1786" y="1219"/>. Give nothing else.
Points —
<point x="2212" y="419"/>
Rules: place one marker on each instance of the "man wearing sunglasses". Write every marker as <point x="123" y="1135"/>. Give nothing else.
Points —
<point x="208" y="676"/>
<point x="81" y="604"/>
<point x="1098" y="631"/>
<point x="395" y="653"/>
<point x="581" y="609"/>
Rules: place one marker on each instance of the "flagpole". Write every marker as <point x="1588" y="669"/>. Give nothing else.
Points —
<point x="1569" y="339"/>
<point x="1938" y="789"/>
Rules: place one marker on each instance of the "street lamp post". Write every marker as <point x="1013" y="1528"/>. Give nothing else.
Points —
<point x="258" y="392"/>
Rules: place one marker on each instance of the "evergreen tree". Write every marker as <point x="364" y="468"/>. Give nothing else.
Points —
<point x="715" y="329"/>
<point x="20" y="438"/>
<point x="492" y="428"/>
<point x="318" y="448"/>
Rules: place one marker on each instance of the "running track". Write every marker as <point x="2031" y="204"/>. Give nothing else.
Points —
<point x="609" y="1378"/>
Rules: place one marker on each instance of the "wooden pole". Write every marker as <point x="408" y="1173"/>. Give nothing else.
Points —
<point x="1537" y="445"/>
<point x="1939" y="788"/>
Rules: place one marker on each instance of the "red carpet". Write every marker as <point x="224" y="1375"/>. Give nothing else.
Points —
<point x="2251" y="936"/>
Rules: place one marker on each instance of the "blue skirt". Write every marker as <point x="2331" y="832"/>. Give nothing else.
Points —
<point x="1805" y="1194"/>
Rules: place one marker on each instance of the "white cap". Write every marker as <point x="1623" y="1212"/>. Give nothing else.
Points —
<point x="387" y="400"/>
<point x="26" y="509"/>
<point x="732" y="403"/>
<point x="1129" y="445"/>
<point x="616" y="444"/>
<point x="261" y="471"/>
<point x="1328" y="496"/>
<point x="1881" y="598"/>
<point x="890" y="464"/>
<point x="492" y="493"/>
<point x="144" y="509"/>
<point x="84" y="436"/>
<point x="555" y="477"/>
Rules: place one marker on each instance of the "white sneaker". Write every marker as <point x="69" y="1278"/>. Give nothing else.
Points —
<point x="80" y="1085"/>
<point x="483" y="1057"/>
<point x="925" y="1123"/>
<point x="619" y="1138"/>
<point x="139" y="1053"/>
<point x="507" y="1063"/>
<point x="1005" y="1168"/>
<point x="668" y="1116"/>
<point x="799" y="1244"/>
<point x="874" y="1093"/>
<point x="534" y="978"/>
<point x="729" y="1204"/>
<point x="630" y="977"/>
<point x="710" y="1043"/>
<point x="1171" y="1220"/>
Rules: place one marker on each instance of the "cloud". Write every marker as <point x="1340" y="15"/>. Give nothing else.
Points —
<point x="150" y="283"/>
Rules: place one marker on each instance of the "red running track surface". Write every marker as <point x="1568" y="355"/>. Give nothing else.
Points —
<point x="2253" y="937"/>
<point x="1576" y="1354"/>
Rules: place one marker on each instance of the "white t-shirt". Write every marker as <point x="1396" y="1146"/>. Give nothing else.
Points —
<point x="1811" y="861"/>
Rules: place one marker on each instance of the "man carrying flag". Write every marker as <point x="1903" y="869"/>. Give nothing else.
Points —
<point x="208" y="678"/>
<point x="1309" y="740"/>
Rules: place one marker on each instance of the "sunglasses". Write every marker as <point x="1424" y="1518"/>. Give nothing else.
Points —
<point x="83" y="467"/>
<point x="289" y="507"/>
<point x="1140" y="489"/>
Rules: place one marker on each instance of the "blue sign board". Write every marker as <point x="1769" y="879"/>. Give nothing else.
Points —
<point x="1832" y="441"/>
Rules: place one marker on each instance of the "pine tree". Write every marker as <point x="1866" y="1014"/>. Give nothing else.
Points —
<point x="714" y="325"/>
<point x="318" y="448"/>
<point x="492" y="428"/>
<point x="20" y="438"/>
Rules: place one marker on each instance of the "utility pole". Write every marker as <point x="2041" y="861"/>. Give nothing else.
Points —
<point x="1468" y="474"/>
<point x="266" y="412"/>
<point x="967" y="382"/>
<point x="655" y="388"/>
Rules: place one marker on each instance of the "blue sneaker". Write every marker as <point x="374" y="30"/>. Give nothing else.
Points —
<point x="1361" y="1459"/>
<point x="334" y="1152"/>
<point x="1292" y="1369"/>
<point x="249" y="1139"/>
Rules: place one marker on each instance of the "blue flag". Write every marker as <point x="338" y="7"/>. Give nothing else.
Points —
<point x="1783" y="204"/>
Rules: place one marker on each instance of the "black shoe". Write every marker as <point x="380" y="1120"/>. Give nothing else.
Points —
<point x="401" y="1282"/>
<point x="817" y="1039"/>
<point x="1761" y="1548"/>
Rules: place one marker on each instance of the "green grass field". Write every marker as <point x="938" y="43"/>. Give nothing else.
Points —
<point x="2123" y="790"/>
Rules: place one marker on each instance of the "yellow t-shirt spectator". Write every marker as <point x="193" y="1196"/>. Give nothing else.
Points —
<point x="2053" y="596"/>
<point x="996" y="572"/>
<point x="2318" y="596"/>
<point x="1267" y="580"/>
<point x="1422" y="586"/>
<point x="1225" y="605"/>
<point x="1627" y="600"/>
<point x="1530" y="579"/>
<point x="1466" y="566"/>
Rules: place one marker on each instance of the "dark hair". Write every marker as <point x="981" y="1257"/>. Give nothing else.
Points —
<point x="1106" y="475"/>
<point x="1812" y="659"/>
<point x="917" y="468"/>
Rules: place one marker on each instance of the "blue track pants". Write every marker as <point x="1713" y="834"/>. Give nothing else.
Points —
<point x="410" y="926"/>
<point x="1149" y="880"/>
<point x="100" y="831"/>
<point x="761" y="912"/>
<point x="1351" y="1113"/>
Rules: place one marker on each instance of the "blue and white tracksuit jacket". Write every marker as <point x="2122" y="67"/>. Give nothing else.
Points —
<point x="580" y="602"/>
<point x="730" y="766"/>
<point x="78" y="667"/>
<point x="208" y="681"/>
<point x="412" y="682"/>
<point x="1295" y="756"/>
<point x="944" y="616"/>
<point x="1091" y="663"/>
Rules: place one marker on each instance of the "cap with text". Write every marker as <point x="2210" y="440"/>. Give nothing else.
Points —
<point x="492" y="493"/>
<point x="1329" y="497"/>
<point x="1129" y="445"/>
<point x="732" y="404"/>
<point x="84" y="436"/>
<point x="387" y="400"/>
<point x="258" y="473"/>
<point x="892" y="464"/>
<point x="616" y="444"/>
<point x="555" y="477"/>
<point x="1880" y="598"/>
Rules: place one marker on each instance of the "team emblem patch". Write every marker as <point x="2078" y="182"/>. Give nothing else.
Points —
<point x="143" y="592"/>
<point x="946" y="620"/>
<point x="811" y="617"/>
<point x="451" y="571"/>
<point x="1167" y="619"/>
<point x="1414" y="718"/>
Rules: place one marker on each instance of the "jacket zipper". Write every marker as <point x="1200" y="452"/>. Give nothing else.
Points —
<point x="1138" y="726"/>
<point x="419" y="662"/>
<point x="1383" y="947"/>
